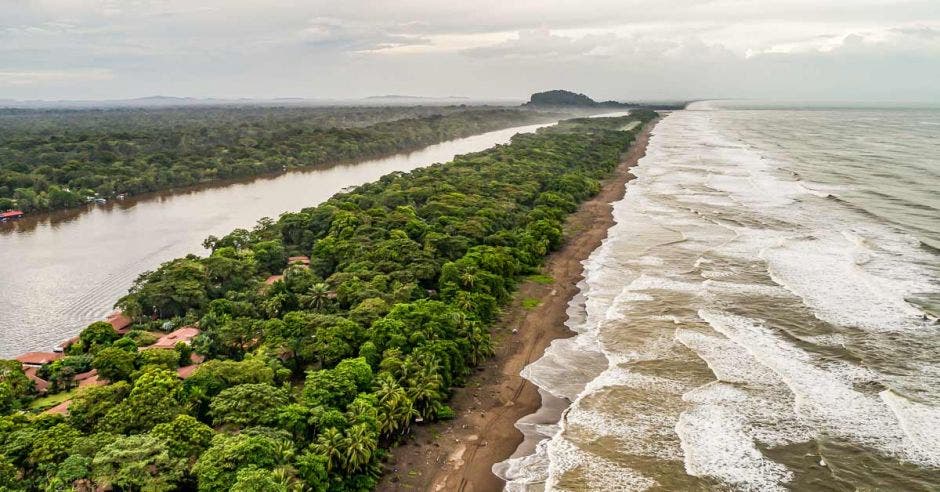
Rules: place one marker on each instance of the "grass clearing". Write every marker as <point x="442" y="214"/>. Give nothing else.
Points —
<point x="530" y="303"/>
<point x="52" y="400"/>
<point x="541" y="279"/>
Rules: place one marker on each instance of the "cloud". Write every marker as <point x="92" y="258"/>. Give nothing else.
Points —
<point x="320" y="48"/>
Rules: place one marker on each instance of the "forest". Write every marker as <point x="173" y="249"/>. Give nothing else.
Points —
<point x="309" y="379"/>
<point x="57" y="159"/>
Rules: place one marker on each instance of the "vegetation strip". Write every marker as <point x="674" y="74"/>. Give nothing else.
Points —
<point x="57" y="160"/>
<point x="311" y="378"/>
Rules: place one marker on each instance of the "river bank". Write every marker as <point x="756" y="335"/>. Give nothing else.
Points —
<point x="460" y="454"/>
<point x="104" y="249"/>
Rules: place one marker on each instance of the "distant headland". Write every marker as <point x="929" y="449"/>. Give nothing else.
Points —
<point x="568" y="99"/>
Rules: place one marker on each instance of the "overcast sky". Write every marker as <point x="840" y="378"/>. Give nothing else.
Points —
<point x="610" y="49"/>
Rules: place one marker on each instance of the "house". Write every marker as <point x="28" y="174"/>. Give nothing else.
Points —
<point x="120" y="322"/>
<point x="89" y="378"/>
<point x="272" y="279"/>
<point x="169" y="341"/>
<point x="186" y="371"/>
<point x="62" y="347"/>
<point x="41" y="385"/>
<point x="12" y="214"/>
<point x="38" y="359"/>
<point x="60" y="409"/>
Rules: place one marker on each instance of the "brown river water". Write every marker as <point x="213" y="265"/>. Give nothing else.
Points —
<point x="60" y="272"/>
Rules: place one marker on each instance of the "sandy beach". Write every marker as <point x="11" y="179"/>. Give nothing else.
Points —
<point x="459" y="454"/>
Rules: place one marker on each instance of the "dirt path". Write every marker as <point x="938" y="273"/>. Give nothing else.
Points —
<point x="459" y="455"/>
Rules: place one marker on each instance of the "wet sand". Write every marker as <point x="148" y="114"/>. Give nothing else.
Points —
<point x="460" y="454"/>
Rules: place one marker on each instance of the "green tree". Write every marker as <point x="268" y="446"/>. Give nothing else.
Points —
<point x="184" y="436"/>
<point x="97" y="335"/>
<point x="270" y="255"/>
<point x="14" y="384"/>
<point x="163" y="358"/>
<point x="360" y="444"/>
<point x="331" y="444"/>
<point x="140" y="462"/>
<point x="396" y="410"/>
<point x="247" y="404"/>
<point x="52" y="445"/>
<point x="252" y="479"/>
<point x="114" y="364"/>
<point x="217" y="468"/>
<point x="154" y="399"/>
<point x="89" y="407"/>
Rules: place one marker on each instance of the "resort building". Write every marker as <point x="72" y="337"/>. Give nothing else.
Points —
<point x="169" y="341"/>
<point x="38" y="359"/>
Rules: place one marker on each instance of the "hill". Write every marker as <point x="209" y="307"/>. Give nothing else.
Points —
<point x="563" y="98"/>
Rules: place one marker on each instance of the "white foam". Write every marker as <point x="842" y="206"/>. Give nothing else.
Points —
<point x="920" y="422"/>
<point x="716" y="445"/>
<point x="599" y="473"/>
<point x="824" y="392"/>
<point x="825" y="273"/>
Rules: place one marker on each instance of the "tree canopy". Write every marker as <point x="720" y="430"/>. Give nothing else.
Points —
<point x="310" y="379"/>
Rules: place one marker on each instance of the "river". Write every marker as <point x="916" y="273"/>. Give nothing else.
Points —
<point x="58" y="273"/>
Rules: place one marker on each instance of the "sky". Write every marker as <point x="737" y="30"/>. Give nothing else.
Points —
<point x="832" y="50"/>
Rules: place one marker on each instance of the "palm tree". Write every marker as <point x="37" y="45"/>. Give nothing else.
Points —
<point x="317" y="295"/>
<point x="481" y="345"/>
<point x="287" y="476"/>
<point x="330" y="443"/>
<point x="468" y="278"/>
<point x="395" y="408"/>
<point x="464" y="301"/>
<point x="424" y="389"/>
<point x="360" y="445"/>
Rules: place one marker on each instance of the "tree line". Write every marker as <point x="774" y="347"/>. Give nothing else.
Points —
<point x="310" y="379"/>
<point x="53" y="160"/>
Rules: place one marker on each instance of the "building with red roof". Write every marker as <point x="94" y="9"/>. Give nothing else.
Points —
<point x="12" y="214"/>
<point x="186" y="371"/>
<point x="89" y="378"/>
<point x="169" y="341"/>
<point x="41" y="385"/>
<point x="61" y="408"/>
<point x="119" y="321"/>
<point x="38" y="359"/>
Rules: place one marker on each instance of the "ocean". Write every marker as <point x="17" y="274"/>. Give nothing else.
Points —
<point x="763" y="315"/>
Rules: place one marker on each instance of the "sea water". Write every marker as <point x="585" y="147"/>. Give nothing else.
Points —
<point x="763" y="315"/>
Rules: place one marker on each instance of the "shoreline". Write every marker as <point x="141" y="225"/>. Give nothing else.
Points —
<point x="30" y="221"/>
<point x="459" y="454"/>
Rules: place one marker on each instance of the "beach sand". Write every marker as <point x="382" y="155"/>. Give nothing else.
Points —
<point x="459" y="454"/>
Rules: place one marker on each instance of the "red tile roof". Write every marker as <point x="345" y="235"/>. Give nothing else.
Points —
<point x="184" y="334"/>
<point x="62" y="347"/>
<point x="186" y="371"/>
<point x="61" y="408"/>
<point x="38" y="358"/>
<point x="85" y="375"/>
<point x="119" y="321"/>
<point x="89" y="378"/>
<point x="41" y="384"/>
<point x="298" y="259"/>
<point x="11" y="214"/>
<point x="272" y="279"/>
<point x="93" y="380"/>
